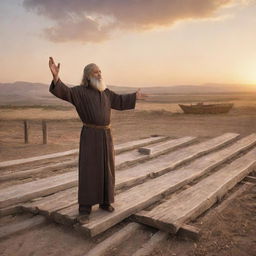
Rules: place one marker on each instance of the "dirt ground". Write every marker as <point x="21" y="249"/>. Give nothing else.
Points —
<point x="231" y="233"/>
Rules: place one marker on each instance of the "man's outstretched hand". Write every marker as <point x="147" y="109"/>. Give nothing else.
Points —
<point x="140" y="95"/>
<point x="54" y="69"/>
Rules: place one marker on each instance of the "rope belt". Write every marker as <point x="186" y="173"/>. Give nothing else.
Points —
<point x="97" y="126"/>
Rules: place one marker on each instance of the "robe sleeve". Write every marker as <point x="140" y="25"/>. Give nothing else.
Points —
<point x="62" y="91"/>
<point x="122" y="101"/>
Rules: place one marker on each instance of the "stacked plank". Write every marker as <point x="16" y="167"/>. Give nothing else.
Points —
<point x="22" y="192"/>
<point x="167" y="167"/>
<point x="126" y="177"/>
<point x="120" y="148"/>
<point x="190" y="203"/>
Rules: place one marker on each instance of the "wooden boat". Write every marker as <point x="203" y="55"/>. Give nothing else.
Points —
<point x="201" y="108"/>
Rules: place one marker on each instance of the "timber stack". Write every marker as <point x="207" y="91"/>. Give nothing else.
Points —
<point x="149" y="172"/>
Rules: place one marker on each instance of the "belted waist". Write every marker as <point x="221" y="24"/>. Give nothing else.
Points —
<point x="97" y="126"/>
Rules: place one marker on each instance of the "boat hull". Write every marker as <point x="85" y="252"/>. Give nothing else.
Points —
<point x="206" y="109"/>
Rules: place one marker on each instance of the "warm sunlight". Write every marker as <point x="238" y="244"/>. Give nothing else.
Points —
<point x="249" y="75"/>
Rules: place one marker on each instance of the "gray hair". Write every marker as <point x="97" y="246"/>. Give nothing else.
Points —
<point x="87" y="72"/>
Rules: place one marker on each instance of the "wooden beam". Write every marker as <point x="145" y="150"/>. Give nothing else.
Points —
<point x="118" y="149"/>
<point x="143" y="195"/>
<point x="190" y="203"/>
<point x="114" y="240"/>
<point x="251" y="179"/>
<point x="31" y="172"/>
<point x="147" y="248"/>
<point x="166" y="146"/>
<point x="42" y="187"/>
<point x="24" y="192"/>
<point x="188" y="232"/>
<point x="134" y="156"/>
<point x="169" y="161"/>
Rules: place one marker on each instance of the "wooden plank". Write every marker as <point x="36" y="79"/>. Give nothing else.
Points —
<point x="73" y="163"/>
<point x="227" y="201"/>
<point x="37" y="158"/>
<point x="52" y="202"/>
<point x="134" y="156"/>
<point x="141" y="172"/>
<point x="118" y="149"/>
<point x="114" y="240"/>
<point x="24" y="192"/>
<point x="71" y="180"/>
<point x="28" y="173"/>
<point x="143" y="195"/>
<point x="251" y="179"/>
<point x="192" y="202"/>
<point x="170" y="161"/>
<point x="16" y="228"/>
<point x="150" y="245"/>
<point x="163" y="146"/>
<point x="188" y="232"/>
<point x="10" y="210"/>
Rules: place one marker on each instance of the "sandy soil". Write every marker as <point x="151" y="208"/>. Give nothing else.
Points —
<point x="231" y="233"/>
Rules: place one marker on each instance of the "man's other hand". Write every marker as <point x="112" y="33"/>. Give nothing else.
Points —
<point x="140" y="95"/>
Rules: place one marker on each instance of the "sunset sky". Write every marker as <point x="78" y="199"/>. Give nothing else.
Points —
<point x="134" y="42"/>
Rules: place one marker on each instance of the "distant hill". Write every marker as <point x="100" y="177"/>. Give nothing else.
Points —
<point x="26" y="93"/>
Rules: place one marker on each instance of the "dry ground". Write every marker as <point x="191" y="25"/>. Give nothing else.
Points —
<point x="233" y="233"/>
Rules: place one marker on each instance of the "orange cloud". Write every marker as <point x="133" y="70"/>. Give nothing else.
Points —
<point x="93" y="20"/>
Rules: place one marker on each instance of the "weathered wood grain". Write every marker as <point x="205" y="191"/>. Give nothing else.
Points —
<point x="118" y="149"/>
<point x="30" y="172"/>
<point x="251" y="179"/>
<point x="114" y="240"/>
<point x="143" y="195"/>
<point x="68" y="180"/>
<point x="134" y="156"/>
<point x="52" y="202"/>
<point x="37" y="158"/>
<point x="165" y="146"/>
<point x="151" y="244"/>
<point x="170" y="161"/>
<point x="24" y="192"/>
<point x="192" y="202"/>
<point x="135" y="175"/>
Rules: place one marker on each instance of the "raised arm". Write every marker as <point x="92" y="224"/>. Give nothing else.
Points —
<point x="54" y="69"/>
<point x="57" y="87"/>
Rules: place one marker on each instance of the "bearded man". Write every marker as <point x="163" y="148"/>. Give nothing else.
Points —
<point x="93" y="102"/>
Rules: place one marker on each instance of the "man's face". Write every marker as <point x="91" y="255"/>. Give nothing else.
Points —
<point x="96" y="73"/>
<point x="96" y="79"/>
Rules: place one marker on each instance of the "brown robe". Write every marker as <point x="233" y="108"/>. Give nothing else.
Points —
<point x="96" y="152"/>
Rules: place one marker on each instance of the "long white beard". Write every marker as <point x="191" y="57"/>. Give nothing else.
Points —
<point x="98" y="83"/>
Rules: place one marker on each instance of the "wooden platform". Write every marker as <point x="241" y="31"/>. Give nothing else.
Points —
<point x="173" y="164"/>
<point x="132" y="175"/>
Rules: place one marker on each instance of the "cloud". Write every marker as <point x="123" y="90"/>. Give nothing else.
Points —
<point x="85" y="30"/>
<point x="94" y="20"/>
